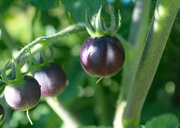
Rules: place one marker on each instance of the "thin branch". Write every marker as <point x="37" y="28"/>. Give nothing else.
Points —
<point x="42" y="42"/>
<point x="60" y="110"/>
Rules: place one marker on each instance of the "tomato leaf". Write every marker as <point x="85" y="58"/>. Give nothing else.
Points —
<point x="163" y="121"/>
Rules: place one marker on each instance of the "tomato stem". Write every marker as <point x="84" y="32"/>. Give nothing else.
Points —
<point x="163" y="19"/>
<point x="133" y="48"/>
<point x="61" y="111"/>
<point x="40" y="44"/>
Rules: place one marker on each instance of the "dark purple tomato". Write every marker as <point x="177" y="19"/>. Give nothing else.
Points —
<point x="24" y="95"/>
<point x="102" y="57"/>
<point x="2" y="113"/>
<point x="52" y="80"/>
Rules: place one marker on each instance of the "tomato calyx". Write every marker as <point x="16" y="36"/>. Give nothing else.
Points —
<point x="100" y="29"/>
<point x="16" y="77"/>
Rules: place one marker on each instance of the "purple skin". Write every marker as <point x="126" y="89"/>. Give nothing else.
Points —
<point x="23" y="96"/>
<point x="102" y="57"/>
<point x="52" y="80"/>
<point x="2" y="112"/>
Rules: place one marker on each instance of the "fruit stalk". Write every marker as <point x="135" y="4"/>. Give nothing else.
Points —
<point x="27" y="114"/>
<point x="60" y="110"/>
<point x="42" y="42"/>
<point x="164" y="16"/>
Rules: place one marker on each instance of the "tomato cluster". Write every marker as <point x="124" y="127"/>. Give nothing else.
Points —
<point x="102" y="55"/>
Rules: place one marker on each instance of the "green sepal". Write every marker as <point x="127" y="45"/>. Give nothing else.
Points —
<point x="89" y="27"/>
<point x="113" y="21"/>
<point x="118" y="24"/>
<point x="100" y="29"/>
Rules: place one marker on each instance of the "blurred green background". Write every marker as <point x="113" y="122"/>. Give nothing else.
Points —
<point x="93" y="104"/>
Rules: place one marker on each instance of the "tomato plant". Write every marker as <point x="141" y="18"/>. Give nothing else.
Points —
<point x="131" y="45"/>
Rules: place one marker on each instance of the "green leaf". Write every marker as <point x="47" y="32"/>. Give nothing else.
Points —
<point x="95" y="127"/>
<point x="163" y="121"/>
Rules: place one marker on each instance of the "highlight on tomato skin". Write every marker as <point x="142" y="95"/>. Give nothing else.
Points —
<point x="24" y="95"/>
<point x="52" y="80"/>
<point x="102" y="57"/>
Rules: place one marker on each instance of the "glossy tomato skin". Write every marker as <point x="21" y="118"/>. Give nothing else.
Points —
<point x="52" y="80"/>
<point x="102" y="57"/>
<point x="24" y="95"/>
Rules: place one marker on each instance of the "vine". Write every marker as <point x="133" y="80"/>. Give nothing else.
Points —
<point x="40" y="44"/>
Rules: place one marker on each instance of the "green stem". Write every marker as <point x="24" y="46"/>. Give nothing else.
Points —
<point x="41" y="43"/>
<point x="27" y="114"/>
<point x="164" y="16"/>
<point x="133" y="49"/>
<point x="61" y="111"/>
<point x="137" y="38"/>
